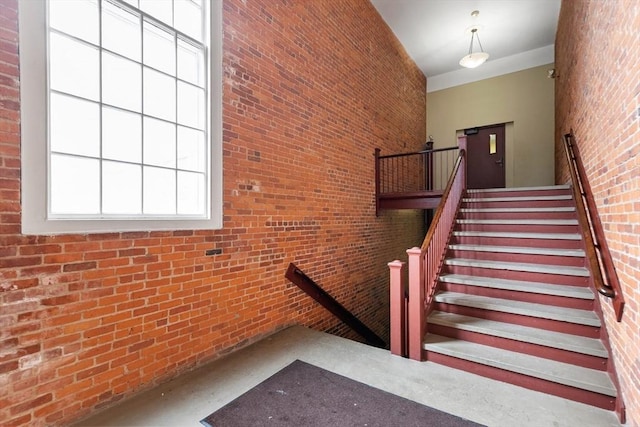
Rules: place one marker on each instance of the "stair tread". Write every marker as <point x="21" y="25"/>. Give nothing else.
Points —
<point x="517" y="198"/>
<point x="519" y="250"/>
<point x="563" y="314"/>
<point x="519" y="221"/>
<point x="519" y="266"/>
<point x="508" y="189"/>
<point x="545" y="209"/>
<point x="519" y="285"/>
<point x="559" y="340"/>
<point x="552" y="236"/>
<point x="534" y="366"/>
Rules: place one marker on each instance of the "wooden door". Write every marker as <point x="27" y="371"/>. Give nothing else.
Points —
<point x="486" y="157"/>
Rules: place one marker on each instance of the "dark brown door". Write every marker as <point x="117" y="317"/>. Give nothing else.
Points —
<point x="486" y="157"/>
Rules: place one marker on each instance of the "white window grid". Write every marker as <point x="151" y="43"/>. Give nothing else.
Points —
<point x="178" y="38"/>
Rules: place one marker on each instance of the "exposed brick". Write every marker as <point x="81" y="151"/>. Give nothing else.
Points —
<point x="597" y="63"/>
<point x="301" y="121"/>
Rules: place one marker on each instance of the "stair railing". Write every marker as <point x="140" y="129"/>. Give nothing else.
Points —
<point x="598" y="255"/>
<point x="305" y="283"/>
<point x="424" y="265"/>
<point x="407" y="177"/>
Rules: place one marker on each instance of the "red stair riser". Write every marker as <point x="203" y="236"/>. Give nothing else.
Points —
<point x="584" y="360"/>
<point x="569" y="261"/>
<point x="519" y="228"/>
<point x="518" y="204"/>
<point x="507" y="215"/>
<point x="511" y="241"/>
<point x="534" y="322"/>
<point x="520" y="193"/>
<point x="558" y="301"/>
<point x="526" y="276"/>
<point x="567" y="392"/>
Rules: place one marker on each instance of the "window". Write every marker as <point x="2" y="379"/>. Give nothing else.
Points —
<point x="121" y="115"/>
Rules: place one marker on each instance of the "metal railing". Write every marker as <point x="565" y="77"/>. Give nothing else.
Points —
<point x="411" y="175"/>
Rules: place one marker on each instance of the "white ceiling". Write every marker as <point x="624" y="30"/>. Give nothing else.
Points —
<point x="517" y="34"/>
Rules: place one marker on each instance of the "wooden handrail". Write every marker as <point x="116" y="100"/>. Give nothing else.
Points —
<point x="445" y="195"/>
<point x="435" y="150"/>
<point x="434" y="244"/>
<point x="425" y="262"/>
<point x="304" y="282"/>
<point x="598" y="255"/>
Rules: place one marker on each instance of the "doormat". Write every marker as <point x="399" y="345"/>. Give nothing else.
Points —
<point x="304" y="395"/>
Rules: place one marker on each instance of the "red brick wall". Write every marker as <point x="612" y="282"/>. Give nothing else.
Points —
<point x="310" y="89"/>
<point x="598" y="95"/>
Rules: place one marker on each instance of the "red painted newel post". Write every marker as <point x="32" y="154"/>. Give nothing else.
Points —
<point x="397" y="309"/>
<point x="416" y="303"/>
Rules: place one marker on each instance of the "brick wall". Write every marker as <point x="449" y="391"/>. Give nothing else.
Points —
<point x="310" y="89"/>
<point x="598" y="95"/>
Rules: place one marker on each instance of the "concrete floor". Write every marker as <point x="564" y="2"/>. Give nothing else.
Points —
<point x="188" y="399"/>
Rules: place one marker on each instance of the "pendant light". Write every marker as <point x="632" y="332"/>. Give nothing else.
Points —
<point x="474" y="59"/>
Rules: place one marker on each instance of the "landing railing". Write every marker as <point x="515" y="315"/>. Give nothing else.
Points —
<point x="599" y="258"/>
<point x="412" y="180"/>
<point x="407" y="323"/>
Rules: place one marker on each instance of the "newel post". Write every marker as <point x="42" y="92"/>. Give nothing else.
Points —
<point x="462" y="144"/>
<point x="396" y="310"/>
<point x="416" y="304"/>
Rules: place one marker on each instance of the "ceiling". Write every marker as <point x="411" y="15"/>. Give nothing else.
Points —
<point x="517" y="34"/>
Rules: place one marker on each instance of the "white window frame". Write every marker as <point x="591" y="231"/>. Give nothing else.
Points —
<point x="34" y="146"/>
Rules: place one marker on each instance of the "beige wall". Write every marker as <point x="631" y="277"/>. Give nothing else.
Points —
<point x="524" y="100"/>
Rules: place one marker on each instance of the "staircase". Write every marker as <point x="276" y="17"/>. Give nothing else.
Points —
<point x="513" y="299"/>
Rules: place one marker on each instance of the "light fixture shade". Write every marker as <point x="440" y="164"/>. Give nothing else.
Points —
<point x="474" y="60"/>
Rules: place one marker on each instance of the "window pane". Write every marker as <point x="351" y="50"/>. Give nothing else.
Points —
<point x="159" y="9"/>
<point x="121" y="135"/>
<point x="121" y="82"/>
<point x="190" y="105"/>
<point x="159" y="48"/>
<point x="74" y="126"/>
<point x="77" y="18"/>
<point x="159" y="191"/>
<point x="188" y="18"/>
<point x="190" y="63"/>
<point x="75" y="185"/>
<point x="191" y="149"/>
<point x="159" y="143"/>
<point x="121" y="31"/>
<point x="191" y="193"/>
<point x="74" y="67"/>
<point x="159" y="95"/>
<point x="121" y="188"/>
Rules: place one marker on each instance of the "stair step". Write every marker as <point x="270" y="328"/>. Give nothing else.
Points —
<point x="562" y="314"/>
<point x="559" y="340"/>
<point x="519" y="221"/>
<point x="519" y="250"/>
<point x="518" y="266"/>
<point x="516" y="199"/>
<point x="521" y="210"/>
<point x="508" y="235"/>
<point x="500" y="190"/>
<point x="518" y="285"/>
<point x="533" y="366"/>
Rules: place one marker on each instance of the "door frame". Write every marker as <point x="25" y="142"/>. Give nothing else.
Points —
<point x="509" y="148"/>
